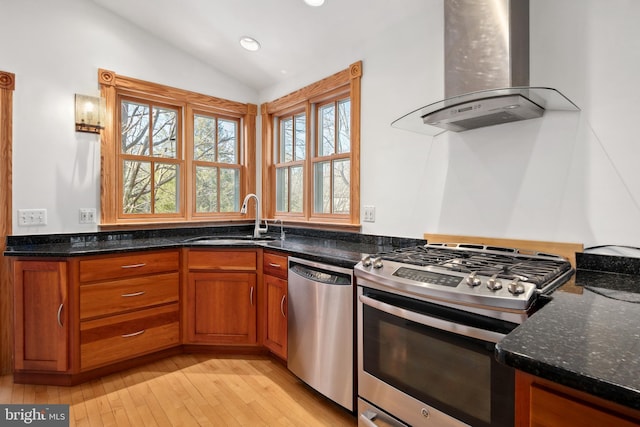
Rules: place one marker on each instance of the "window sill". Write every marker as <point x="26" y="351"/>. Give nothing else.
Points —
<point x="171" y="224"/>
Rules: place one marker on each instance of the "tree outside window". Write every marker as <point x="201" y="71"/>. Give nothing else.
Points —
<point x="216" y="157"/>
<point x="292" y="149"/>
<point x="149" y="155"/>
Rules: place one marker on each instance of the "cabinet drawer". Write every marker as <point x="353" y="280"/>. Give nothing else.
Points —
<point x="275" y="265"/>
<point x="134" y="264"/>
<point x="105" y="298"/>
<point x="223" y="260"/>
<point x="120" y="337"/>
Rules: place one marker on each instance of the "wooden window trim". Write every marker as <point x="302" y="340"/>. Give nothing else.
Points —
<point x="112" y="86"/>
<point x="345" y="82"/>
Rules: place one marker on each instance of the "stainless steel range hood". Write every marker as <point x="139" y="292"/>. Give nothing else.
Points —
<point x="486" y="71"/>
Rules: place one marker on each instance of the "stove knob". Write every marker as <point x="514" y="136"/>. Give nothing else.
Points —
<point x="377" y="262"/>
<point x="494" y="283"/>
<point x="366" y="261"/>
<point x="516" y="288"/>
<point x="472" y="280"/>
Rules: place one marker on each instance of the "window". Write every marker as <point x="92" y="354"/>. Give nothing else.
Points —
<point x="216" y="164"/>
<point x="149" y="158"/>
<point x="172" y="155"/>
<point x="311" y="146"/>
<point x="332" y="162"/>
<point x="291" y="149"/>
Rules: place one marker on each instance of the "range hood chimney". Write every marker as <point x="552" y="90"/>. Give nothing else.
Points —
<point x="486" y="70"/>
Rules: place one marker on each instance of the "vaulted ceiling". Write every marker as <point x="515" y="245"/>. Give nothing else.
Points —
<point x="295" y="37"/>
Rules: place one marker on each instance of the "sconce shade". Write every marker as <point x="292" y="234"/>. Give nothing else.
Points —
<point x="90" y="113"/>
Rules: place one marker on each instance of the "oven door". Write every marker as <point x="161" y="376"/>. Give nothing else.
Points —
<point x="430" y="365"/>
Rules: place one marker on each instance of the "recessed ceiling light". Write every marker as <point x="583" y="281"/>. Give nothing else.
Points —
<point x="249" y="43"/>
<point x="314" y="3"/>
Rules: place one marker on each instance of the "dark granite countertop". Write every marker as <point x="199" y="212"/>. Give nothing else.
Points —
<point x="588" y="336"/>
<point x="344" y="249"/>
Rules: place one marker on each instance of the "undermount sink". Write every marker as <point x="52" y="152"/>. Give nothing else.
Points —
<point x="228" y="240"/>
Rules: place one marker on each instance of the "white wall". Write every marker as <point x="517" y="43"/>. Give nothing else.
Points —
<point x="55" y="50"/>
<point x="564" y="177"/>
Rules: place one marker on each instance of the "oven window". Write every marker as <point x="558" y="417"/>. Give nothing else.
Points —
<point x="452" y="373"/>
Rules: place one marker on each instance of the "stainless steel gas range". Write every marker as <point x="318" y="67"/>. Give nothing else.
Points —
<point x="428" y="320"/>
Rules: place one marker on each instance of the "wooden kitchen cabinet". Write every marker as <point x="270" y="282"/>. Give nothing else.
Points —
<point x="542" y="403"/>
<point x="129" y="304"/>
<point x="41" y="316"/>
<point x="275" y="284"/>
<point x="222" y="297"/>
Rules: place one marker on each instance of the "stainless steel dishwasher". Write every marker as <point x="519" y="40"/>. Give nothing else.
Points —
<point x="320" y="337"/>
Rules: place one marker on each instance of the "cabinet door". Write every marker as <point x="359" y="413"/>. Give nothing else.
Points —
<point x="222" y="308"/>
<point x="542" y="403"/>
<point x="276" y="315"/>
<point x="41" y="315"/>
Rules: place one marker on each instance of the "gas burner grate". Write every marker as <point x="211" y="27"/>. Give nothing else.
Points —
<point x="507" y="265"/>
<point x="423" y="256"/>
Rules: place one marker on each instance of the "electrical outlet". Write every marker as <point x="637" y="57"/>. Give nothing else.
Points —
<point x="87" y="216"/>
<point x="27" y="217"/>
<point x="369" y="214"/>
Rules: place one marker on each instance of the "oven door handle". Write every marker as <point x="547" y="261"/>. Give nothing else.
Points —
<point x="444" y="325"/>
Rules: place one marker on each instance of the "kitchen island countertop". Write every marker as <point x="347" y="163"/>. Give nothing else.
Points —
<point x="588" y="336"/>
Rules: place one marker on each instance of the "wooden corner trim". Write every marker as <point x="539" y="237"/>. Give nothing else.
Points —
<point x="106" y="77"/>
<point x="355" y="70"/>
<point x="7" y="80"/>
<point x="252" y="109"/>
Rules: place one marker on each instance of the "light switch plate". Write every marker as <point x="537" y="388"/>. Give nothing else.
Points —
<point x="28" y="217"/>
<point x="369" y="214"/>
<point x="87" y="216"/>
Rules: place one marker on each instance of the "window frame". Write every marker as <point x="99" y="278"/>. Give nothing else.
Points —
<point x="341" y="85"/>
<point x="113" y="88"/>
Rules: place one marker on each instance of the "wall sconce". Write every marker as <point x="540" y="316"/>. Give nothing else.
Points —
<point x="90" y="113"/>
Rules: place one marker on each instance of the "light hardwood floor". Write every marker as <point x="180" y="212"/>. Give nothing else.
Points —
<point x="190" y="390"/>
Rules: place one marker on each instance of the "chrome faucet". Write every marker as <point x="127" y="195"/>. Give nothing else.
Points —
<point x="243" y="210"/>
<point x="281" y="228"/>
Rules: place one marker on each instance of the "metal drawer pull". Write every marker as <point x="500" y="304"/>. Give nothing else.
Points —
<point x="251" y="297"/>
<point x="59" y="314"/>
<point x="134" y="265"/>
<point x="282" y="306"/>
<point x="134" y="294"/>
<point x="368" y="419"/>
<point x="135" y="334"/>
<point x="274" y="265"/>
